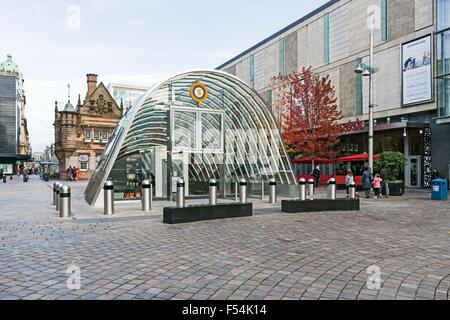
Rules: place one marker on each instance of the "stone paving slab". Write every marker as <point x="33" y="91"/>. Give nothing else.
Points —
<point x="271" y="255"/>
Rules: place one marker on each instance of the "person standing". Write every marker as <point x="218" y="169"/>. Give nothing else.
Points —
<point x="316" y="175"/>
<point x="385" y="174"/>
<point x="366" y="181"/>
<point x="435" y="174"/>
<point x="18" y="171"/>
<point x="348" y="181"/>
<point x="69" y="173"/>
<point x="377" y="185"/>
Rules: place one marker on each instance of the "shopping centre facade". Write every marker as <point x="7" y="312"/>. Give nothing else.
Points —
<point x="411" y="79"/>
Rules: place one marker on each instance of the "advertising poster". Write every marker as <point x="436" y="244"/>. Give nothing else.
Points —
<point x="417" y="85"/>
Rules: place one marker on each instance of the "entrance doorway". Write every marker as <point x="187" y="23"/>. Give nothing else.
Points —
<point x="413" y="172"/>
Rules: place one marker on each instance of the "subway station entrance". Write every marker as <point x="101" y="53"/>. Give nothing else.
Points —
<point x="197" y="125"/>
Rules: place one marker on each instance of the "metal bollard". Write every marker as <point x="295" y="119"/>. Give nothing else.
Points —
<point x="243" y="191"/>
<point x="311" y="189"/>
<point x="146" y="196"/>
<point x="262" y="189"/>
<point x="58" y="186"/>
<point x="213" y="192"/>
<point x="352" y="191"/>
<point x="54" y="194"/>
<point x="236" y="183"/>
<point x="108" y="195"/>
<point x="331" y="189"/>
<point x="272" y="191"/>
<point x="302" y="188"/>
<point x="64" y="202"/>
<point x="180" y="193"/>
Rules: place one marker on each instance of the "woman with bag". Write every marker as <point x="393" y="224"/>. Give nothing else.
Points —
<point x="367" y="182"/>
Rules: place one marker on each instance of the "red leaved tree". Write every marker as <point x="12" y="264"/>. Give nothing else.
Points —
<point x="305" y="106"/>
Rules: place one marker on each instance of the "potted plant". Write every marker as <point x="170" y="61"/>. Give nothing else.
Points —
<point x="395" y="162"/>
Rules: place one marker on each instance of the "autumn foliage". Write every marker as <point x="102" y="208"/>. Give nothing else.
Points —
<point x="305" y="106"/>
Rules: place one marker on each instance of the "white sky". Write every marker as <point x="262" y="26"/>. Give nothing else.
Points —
<point x="135" y="42"/>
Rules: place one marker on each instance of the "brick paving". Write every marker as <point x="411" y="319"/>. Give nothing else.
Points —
<point x="271" y="255"/>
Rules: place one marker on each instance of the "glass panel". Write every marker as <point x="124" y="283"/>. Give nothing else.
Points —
<point x="443" y="53"/>
<point x="211" y="131"/>
<point x="184" y="133"/>
<point x="442" y="14"/>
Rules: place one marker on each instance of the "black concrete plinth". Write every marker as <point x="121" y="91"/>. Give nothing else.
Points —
<point x="173" y="215"/>
<point x="294" y="206"/>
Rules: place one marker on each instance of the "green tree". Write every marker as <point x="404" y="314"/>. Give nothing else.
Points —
<point x="395" y="161"/>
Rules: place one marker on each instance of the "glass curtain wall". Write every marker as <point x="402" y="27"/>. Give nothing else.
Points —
<point x="443" y="56"/>
<point x="168" y="135"/>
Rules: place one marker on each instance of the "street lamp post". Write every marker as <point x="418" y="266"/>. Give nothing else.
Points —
<point x="368" y="71"/>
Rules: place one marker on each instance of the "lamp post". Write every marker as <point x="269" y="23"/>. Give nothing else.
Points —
<point x="368" y="71"/>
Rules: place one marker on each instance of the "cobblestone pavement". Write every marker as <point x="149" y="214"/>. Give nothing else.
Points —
<point x="271" y="255"/>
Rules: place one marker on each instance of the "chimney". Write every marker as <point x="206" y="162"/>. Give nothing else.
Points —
<point x="92" y="83"/>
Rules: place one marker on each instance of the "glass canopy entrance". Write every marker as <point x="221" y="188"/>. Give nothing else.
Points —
<point x="197" y="125"/>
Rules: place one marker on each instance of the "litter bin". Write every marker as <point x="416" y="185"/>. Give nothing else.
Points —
<point x="439" y="189"/>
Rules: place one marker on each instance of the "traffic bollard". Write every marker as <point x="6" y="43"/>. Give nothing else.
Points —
<point x="243" y="190"/>
<point x="54" y="194"/>
<point x="352" y="190"/>
<point x="213" y="192"/>
<point x="64" y="202"/>
<point x="180" y="193"/>
<point x="272" y="191"/>
<point x="332" y="189"/>
<point x="311" y="189"/>
<point x="302" y="189"/>
<point x="146" y="196"/>
<point x="58" y="186"/>
<point x="108" y="195"/>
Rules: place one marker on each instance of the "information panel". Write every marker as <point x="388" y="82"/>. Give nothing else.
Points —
<point x="417" y="84"/>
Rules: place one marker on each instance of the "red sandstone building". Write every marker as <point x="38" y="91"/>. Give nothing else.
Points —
<point x="81" y="134"/>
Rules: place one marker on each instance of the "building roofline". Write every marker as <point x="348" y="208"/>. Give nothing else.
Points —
<point x="302" y="19"/>
<point x="126" y="86"/>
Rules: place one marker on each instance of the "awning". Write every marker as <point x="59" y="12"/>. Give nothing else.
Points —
<point x="358" y="157"/>
<point x="316" y="161"/>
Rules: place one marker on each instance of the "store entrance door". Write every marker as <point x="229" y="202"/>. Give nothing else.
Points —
<point x="413" y="172"/>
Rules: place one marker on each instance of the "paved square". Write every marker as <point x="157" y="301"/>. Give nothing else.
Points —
<point x="271" y="255"/>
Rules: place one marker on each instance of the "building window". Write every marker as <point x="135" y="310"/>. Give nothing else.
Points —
<point x="105" y="136"/>
<point x="326" y="38"/>
<point x="96" y="136"/>
<point x="281" y="45"/>
<point x="384" y="20"/>
<point x="252" y="71"/>
<point x="442" y="14"/>
<point x="87" y="136"/>
<point x="84" y="159"/>
<point x="443" y="57"/>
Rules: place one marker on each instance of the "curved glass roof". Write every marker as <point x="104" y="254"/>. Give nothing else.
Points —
<point x="242" y="132"/>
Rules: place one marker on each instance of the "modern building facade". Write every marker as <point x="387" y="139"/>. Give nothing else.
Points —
<point x="14" y="141"/>
<point x="126" y="94"/>
<point x="411" y="79"/>
<point x="9" y="124"/>
<point x="196" y="125"/>
<point x="81" y="134"/>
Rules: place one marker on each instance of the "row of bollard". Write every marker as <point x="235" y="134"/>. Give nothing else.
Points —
<point x="147" y="194"/>
<point x="62" y="199"/>
<point x="108" y="197"/>
<point x="213" y="192"/>
<point x="331" y="189"/>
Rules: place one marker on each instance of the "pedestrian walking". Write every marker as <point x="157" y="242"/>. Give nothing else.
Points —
<point x="74" y="174"/>
<point x="316" y="175"/>
<point x="367" y="182"/>
<point x="69" y="173"/>
<point x="385" y="174"/>
<point x="18" y="171"/>
<point x="348" y="181"/>
<point x="377" y="185"/>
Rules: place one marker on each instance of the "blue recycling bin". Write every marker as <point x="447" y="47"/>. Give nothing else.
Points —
<point x="439" y="189"/>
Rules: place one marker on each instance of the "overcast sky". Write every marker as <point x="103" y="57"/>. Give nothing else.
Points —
<point x="136" y="41"/>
